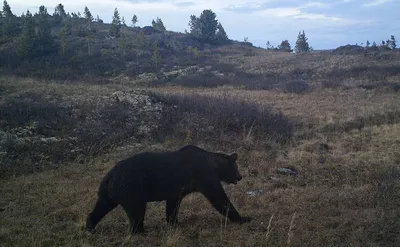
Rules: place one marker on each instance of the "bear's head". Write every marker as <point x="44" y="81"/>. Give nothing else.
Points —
<point x="227" y="168"/>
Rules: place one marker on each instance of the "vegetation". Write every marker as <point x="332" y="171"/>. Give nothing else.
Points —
<point x="285" y="46"/>
<point x="158" y="25"/>
<point x="302" y="43"/>
<point x="207" y="28"/>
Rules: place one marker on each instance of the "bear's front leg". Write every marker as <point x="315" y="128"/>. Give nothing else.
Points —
<point x="214" y="192"/>
<point x="136" y="212"/>
<point x="172" y="209"/>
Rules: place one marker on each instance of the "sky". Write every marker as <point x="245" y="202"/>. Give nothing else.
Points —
<point x="327" y="24"/>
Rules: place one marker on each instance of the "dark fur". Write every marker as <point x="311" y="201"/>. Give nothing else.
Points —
<point x="170" y="176"/>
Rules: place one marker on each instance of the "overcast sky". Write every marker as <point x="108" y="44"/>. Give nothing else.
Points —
<point x="327" y="24"/>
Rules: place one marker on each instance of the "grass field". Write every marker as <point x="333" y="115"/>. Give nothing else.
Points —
<point x="345" y="147"/>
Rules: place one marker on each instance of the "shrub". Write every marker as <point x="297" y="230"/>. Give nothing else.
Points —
<point x="212" y="117"/>
<point x="296" y="87"/>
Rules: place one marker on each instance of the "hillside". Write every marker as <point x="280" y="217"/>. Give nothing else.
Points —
<point x="59" y="139"/>
<point x="71" y="47"/>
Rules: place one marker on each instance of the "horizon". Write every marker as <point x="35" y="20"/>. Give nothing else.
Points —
<point x="327" y="25"/>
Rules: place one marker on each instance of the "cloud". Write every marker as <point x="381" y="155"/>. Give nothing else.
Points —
<point x="315" y="4"/>
<point x="376" y="2"/>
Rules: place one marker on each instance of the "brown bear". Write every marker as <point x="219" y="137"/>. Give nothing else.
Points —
<point x="158" y="176"/>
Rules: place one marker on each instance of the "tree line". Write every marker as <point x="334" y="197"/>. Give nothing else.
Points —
<point x="34" y="33"/>
<point x="34" y="30"/>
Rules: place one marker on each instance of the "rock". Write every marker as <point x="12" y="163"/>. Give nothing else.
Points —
<point x="144" y="110"/>
<point x="255" y="192"/>
<point x="50" y="139"/>
<point x="287" y="171"/>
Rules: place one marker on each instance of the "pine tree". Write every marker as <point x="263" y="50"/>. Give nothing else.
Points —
<point x="115" y="24"/>
<point x="123" y="45"/>
<point x="301" y="43"/>
<point x="26" y="43"/>
<point x="374" y="45"/>
<point x="44" y="29"/>
<point x="158" y="24"/>
<point x="134" y="20"/>
<point x="269" y="46"/>
<point x="74" y="15"/>
<point x="44" y="37"/>
<point x="367" y="44"/>
<point x="123" y="21"/>
<point x="9" y="21"/>
<point x="60" y="11"/>
<point x="221" y="34"/>
<point x="156" y="56"/>
<point x="195" y="26"/>
<point x="209" y="24"/>
<point x="204" y="27"/>
<point x="89" y="39"/>
<point x="392" y="42"/>
<point x="63" y="40"/>
<point x="98" y="20"/>
<point x="285" y="46"/>
<point x="88" y="15"/>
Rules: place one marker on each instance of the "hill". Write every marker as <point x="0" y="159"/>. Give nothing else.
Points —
<point x="72" y="47"/>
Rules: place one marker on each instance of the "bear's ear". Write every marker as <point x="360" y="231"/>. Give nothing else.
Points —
<point x="233" y="156"/>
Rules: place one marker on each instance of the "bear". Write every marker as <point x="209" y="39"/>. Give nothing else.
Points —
<point x="166" y="176"/>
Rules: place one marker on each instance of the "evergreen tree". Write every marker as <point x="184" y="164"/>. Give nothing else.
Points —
<point x="195" y="26"/>
<point x="158" y="25"/>
<point x="60" y="11"/>
<point x="285" y="46"/>
<point x="392" y="42"/>
<point x="221" y="34"/>
<point x="115" y="24"/>
<point x="9" y="21"/>
<point x="269" y="46"/>
<point x="98" y="20"/>
<point x="374" y="45"/>
<point x="89" y="39"/>
<point x="367" y="44"/>
<point x="134" y="20"/>
<point x="204" y="27"/>
<point x="63" y="40"/>
<point x="156" y="56"/>
<point x="26" y="43"/>
<point x="209" y="24"/>
<point x="44" y="37"/>
<point x="123" y="21"/>
<point x="301" y="43"/>
<point x="88" y="15"/>
<point x="74" y="15"/>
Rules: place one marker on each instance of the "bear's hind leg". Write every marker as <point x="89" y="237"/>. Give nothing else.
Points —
<point x="172" y="209"/>
<point x="103" y="205"/>
<point x="136" y="212"/>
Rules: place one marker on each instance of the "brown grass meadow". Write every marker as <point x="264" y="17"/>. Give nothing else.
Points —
<point x="345" y="146"/>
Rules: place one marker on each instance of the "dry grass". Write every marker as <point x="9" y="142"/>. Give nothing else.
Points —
<point x="346" y="194"/>
<point x="314" y="108"/>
